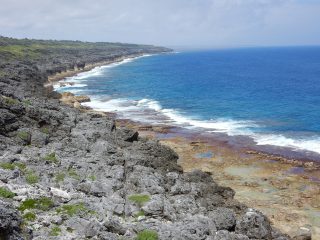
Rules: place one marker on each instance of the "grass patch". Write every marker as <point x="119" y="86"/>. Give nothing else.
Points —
<point x="5" y="193"/>
<point x="55" y="231"/>
<point x="29" y="216"/>
<point x="42" y="203"/>
<point x="60" y="177"/>
<point x="11" y="166"/>
<point x="26" y="102"/>
<point x="11" y="101"/>
<point x="139" y="199"/>
<point x="45" y="130"/>
<point x="32" y="178"/>
<point x="25" y="136"/>
<point x="147" y="235"/>
<point x="74" y="209"/>
<point x="51" y="158"/>
<point x="139" y="214"/>
<point x="92" y="177"/>
<point x="73" y="174"/>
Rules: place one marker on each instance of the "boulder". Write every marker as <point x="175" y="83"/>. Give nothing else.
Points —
<point x="254" y="224"/>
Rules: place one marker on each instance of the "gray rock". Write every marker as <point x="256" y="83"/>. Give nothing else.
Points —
<point x="254" y="225"/>
<point x="39" y="138"/>
<point x="10" y="223"/>
<point x="225" y="235"/>
<point x="224" y="218"/>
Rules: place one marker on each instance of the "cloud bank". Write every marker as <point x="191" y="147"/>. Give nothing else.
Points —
<point x="198" y="23"/>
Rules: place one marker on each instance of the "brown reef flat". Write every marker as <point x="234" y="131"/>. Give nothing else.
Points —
<point x="286" y="190"/>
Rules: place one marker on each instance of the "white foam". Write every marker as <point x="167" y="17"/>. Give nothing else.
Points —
<point x="151" y="111"/>
<point x="97" y="71"/>
<point x="309" y="144"/>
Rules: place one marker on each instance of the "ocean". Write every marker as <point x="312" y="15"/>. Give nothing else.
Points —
<point x="270" y="95"/>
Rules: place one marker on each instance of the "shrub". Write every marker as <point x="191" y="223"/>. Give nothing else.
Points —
<point x="51" y="158"/>
<point x="139" y="199"/>
<point x="42" y="203"/>
<point x="29" y="216"/>
<point x="147" y="235"/>
<point x="55" y="231"/>
<point x="5" y="193"/>
<point x="32" y="178"/>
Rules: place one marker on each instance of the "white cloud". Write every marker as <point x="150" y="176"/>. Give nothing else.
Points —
<point x="166" y="22"/>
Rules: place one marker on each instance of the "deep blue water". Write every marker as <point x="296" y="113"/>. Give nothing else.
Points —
<point x="269" y="94"/>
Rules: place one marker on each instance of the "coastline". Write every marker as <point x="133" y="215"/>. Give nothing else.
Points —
<point x="234" y="165"/>
<point x="69" y="73"/>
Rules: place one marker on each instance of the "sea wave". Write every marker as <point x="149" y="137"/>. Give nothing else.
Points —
<point x="151" y="111"/>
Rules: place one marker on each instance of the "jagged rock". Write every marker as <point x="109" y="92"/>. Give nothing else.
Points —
<point x="224" y="218"/>
<point x="254" y="225"/>
<point x="10" y="223"/>
<point x="39" y="138"/>
<point x="225" y="235"/>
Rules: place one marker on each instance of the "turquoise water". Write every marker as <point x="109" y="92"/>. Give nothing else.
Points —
<point x="271" y="95"/>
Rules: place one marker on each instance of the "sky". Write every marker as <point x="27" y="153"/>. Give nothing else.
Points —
<point x="172" y="23"/>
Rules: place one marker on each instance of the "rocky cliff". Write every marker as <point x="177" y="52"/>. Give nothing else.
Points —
<point x="72" y="174"/>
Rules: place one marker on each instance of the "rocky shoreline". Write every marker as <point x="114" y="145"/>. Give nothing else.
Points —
<point x="66" y="173"/>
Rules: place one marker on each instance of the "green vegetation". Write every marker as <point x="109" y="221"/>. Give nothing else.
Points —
<point x="74" y="209"/>
<point x="29" y="216"/>
<point x="73" y="174"/>
<point x="147" y="235"/>
<point x="55" y="231"/>
<point x="21" y="49"/>
<point x="51" y="158"/>
<point x="26" y="102"/>
<point x="45" y="130"/>
<point x="11" y="166"/>
<point x="25" y="136"/>
<point x="42" y="203"/>
<point x="139" y="199"/>
<point x="32" y="178"/>
<point x="11" y="101"/>
<point x="7" y="166"/>
<point x="5" y="193"/>
<point x="92" y="177"/>
<point x="60" y="177"/>
<point x="139" y="214"/>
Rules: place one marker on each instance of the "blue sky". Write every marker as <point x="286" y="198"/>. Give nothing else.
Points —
<point x="193" y="23"/>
